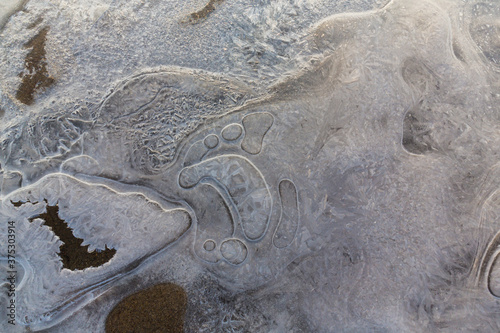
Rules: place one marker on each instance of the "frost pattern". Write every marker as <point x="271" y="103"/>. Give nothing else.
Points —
<point x="358" y="189"/>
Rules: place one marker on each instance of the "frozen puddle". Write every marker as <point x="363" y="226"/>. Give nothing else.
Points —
<point x="358" y="189"/>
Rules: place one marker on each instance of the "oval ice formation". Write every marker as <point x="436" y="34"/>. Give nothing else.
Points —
<point x="232" y="132"/>
<point x="209" y="245"/>
<point x="256" y="126"/>
<point x="211" y="141"/>
<point x="245" y="185"/>
<point x="234" y="251"/>
<point x="289" y="219"/>
<point x="99" y="215"/>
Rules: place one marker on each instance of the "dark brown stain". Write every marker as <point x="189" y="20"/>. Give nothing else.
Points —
<point x="74" y="256"/>
<point x="36" y="76"/>
<point x="204" y="12"/>
<point x="35" y="23"/>
<point x="160" y="308"/>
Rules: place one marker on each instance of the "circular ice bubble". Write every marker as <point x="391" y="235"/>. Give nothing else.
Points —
<point x="232" y="132"/>
<point x="211" y="141"/>
<point x="234" y="251"/>
<point x="209" y="245"/>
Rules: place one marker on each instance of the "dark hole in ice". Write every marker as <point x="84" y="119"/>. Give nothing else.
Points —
<point x="74" y="256"/>
<point x="20" y="203"/>
<point x="17" y="203"/>
<point x="160" y="308"/>
<point x="36" y="75"/>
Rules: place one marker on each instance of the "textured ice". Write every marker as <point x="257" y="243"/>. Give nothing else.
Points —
<point x="9" y="7"/>
<point x="100" y="216"/>
<point x="295" y="166"/>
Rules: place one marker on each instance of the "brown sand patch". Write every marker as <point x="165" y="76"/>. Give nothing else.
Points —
<point x="36" y="76"/>
<point x="160" y="308"/>
<point x="204" y="12"/>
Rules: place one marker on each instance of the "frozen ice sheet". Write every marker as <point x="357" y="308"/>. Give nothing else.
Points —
<point x="7" y="8"/>
<point x="294" y="166"/>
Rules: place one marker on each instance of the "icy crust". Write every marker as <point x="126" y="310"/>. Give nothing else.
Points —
<point x="134" y="225"/>
<point x="366" y="141"/>
<point x="346" y="184"/>
<point x="150" y="114"/>
<point x="9" y="7"/>
<point x="138" y="126"/>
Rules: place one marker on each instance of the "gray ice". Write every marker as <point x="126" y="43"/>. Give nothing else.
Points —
<point x="296" y="166"/>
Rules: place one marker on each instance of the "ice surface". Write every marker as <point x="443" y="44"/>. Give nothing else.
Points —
<point x="295" y="166"/>
<point x="9" y="7"/>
